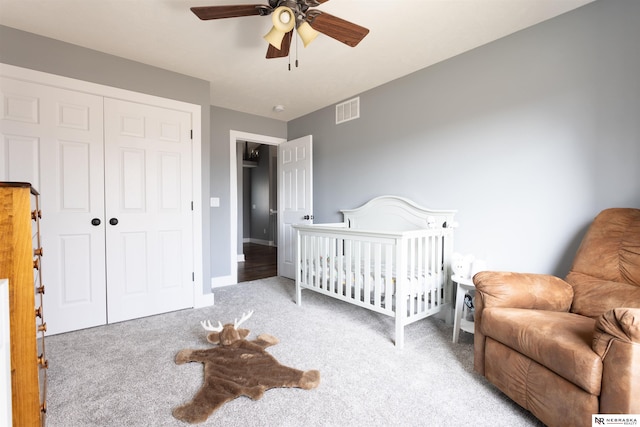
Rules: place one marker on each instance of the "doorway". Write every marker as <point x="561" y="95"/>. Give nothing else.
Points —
<point x="236" y="178"/>
<point x="257" y="203"/>
<point x="295" y="197"/>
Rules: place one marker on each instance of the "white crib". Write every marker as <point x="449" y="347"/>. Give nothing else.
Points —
<point x="360" y="260"/>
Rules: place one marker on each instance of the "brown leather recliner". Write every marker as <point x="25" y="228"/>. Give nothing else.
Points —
<point x="567" y="349"/>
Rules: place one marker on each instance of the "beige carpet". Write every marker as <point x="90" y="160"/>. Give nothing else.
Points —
<point x="124" y="375"/>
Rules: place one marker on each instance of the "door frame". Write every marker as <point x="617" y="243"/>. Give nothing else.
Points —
<point x="236" y="136"/>
<point x="200" y="299"/>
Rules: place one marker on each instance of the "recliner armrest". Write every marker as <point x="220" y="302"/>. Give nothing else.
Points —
<point x="515" y="290"/>
<point x="523" y="290"/>
<point x="620" y="324"/>
<point x="616" y="339"/>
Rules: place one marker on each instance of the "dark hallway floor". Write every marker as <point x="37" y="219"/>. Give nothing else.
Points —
<point x="261" y="261"/>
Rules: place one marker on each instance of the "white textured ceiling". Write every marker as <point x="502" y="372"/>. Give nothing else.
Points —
<point x="405" y="36"/>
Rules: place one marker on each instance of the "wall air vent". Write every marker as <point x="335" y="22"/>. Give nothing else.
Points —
<point x="348" y="110"/>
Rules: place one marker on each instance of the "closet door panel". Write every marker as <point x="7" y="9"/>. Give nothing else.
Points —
<point x="148" y="199"/>
<point x="19" y="158"/>
<point x="73" y="197"/>
<point x="53" y="138"/>
<point x="20" y="129"/>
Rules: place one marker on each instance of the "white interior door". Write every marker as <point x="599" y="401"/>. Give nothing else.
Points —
<point x="295" y="198"/>
<point x="148" y="210"/>
<point x="53" y="138"/>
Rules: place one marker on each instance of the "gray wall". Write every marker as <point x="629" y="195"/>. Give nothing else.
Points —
<point x="529" y="137"/>
<point x="256" y="196"/>
<point x="261" y="190"/>
<point x="222" y="122"/>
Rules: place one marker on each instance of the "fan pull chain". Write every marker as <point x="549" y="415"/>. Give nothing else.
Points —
<point x="289" y="56"/>
<point x="296" y="36"/>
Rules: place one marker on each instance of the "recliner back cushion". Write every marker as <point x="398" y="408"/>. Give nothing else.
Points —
<point x="611" y="248"/>
<point x="606" y="270"/>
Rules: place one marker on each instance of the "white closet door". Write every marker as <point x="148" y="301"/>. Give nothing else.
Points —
<point x="53" y="138"/>
<point x="149" y="210"/>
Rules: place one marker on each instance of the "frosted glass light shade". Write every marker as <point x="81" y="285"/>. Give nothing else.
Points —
<point x="274" y="37"/>
<point x="306" y="33"/>
<point x="283" y="22"/>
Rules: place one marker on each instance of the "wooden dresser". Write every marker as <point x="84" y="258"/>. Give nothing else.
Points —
<point x="20" y="253"/>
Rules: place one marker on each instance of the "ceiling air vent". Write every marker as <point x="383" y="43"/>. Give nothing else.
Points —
<point x="348" y="110"/>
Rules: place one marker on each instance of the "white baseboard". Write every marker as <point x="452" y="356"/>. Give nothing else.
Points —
<point x="217" y="282"/>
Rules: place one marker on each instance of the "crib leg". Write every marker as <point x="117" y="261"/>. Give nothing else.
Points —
<point x="298" y="293"/>
<point x="399" y="332"/>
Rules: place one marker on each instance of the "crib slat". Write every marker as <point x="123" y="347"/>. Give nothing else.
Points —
<point x="324" y="256"/>
<point x="314" y="260"/>
<point x="366" y="261"/>
<point x="377" y="274"/>
<point x="423" y="275"/>
<point x="340" y="266"/>
<point x="348" y="268"/>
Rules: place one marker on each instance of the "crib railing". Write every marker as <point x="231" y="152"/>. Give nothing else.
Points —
<point x="403" y="274"/>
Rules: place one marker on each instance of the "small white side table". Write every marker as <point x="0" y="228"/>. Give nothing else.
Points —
<point x="464" y="285"/>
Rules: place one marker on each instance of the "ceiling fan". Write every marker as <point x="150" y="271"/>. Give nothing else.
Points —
<point x="286" y="16"/>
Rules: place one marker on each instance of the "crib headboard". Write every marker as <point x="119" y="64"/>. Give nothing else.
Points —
<point x="393" y="213"/>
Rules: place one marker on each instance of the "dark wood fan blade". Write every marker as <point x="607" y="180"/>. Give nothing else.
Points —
<point x="344" y="31"/>
<point x="219" y="12"/>
<point x="272" y="52"/>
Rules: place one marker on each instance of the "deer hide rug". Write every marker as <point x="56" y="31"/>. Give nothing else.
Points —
<point x="238" y="368"/>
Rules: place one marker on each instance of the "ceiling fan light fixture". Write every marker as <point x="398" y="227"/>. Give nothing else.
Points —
<point x="286" y="16"/>
<point x="282" y="19"/>
<point x="283" y="22"/>
<point x="274" y="37"/>
<point x="307" y="33"/>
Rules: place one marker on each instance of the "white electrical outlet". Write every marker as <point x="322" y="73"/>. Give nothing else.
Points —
<point x="215" y="202"/>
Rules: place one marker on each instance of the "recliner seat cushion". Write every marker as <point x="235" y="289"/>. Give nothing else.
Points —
<point x="559" y="341"/>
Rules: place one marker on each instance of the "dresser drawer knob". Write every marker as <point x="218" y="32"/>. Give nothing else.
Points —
<point x="44" y="363"/>
<point x="36" y="263"/>
<point x="43" y="327"/>
<point x="39" y="312"/>
<point x="37" y="252"/>
<point x="40" y="290"/>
